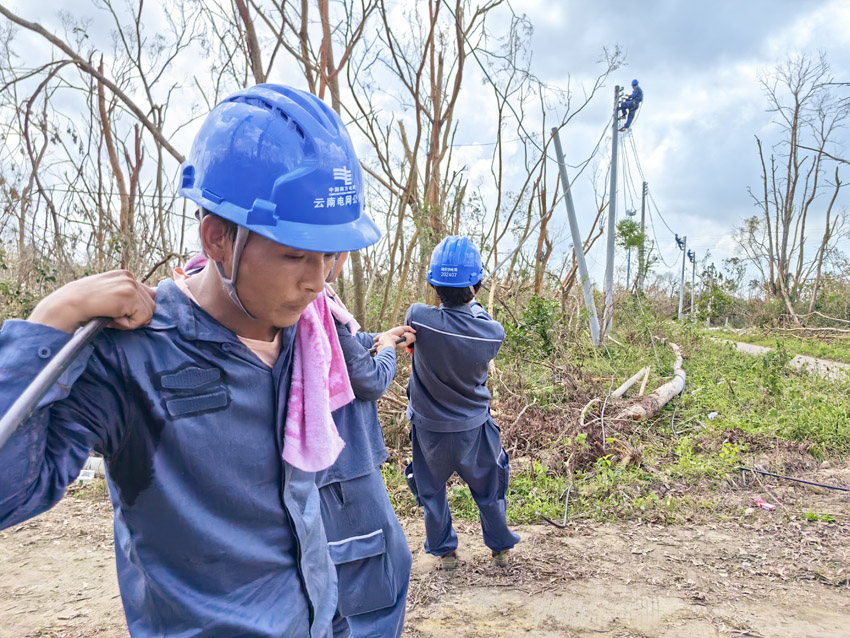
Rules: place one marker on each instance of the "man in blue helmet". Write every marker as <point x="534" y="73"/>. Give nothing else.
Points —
<point x="630" y="105"/>
<point x="365" y="539"/>
<point x="186" y="398"/>
<point x="449" y="405"/>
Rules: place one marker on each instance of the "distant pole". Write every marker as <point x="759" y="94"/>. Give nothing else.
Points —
<point x="631" y="213"/>
<point x="578" y="246"/>
<point x="607" y="316"/>
<point x="683" y="246"/>
<point x="710" y="293"/>
<point x="641" y="257"/>
<point x="693" y="257"/>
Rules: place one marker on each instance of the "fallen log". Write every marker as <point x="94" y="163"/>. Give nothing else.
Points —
<point x="643" y="383"/>
<point x="650" y="406"/>
<point x="629" y="383"/>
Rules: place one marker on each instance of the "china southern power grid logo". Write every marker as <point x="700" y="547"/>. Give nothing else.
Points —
<point x="344" y="174"/>
<point x="340" y="195"/>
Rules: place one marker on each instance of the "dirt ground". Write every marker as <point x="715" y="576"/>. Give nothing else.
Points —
<point x="768" y="574"/>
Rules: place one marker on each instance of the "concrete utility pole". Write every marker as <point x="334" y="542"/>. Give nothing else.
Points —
<point x="578" y="246"/>
<point x="683" y="246"/>
<point x="692" y="256"/>
<point x="607" y="315"/>
<point x="710" y="270"/>
<point x="631" y="213"/>
<point x="641" y="255"/>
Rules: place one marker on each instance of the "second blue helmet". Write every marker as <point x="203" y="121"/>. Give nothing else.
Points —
<point x="455" y="263"/>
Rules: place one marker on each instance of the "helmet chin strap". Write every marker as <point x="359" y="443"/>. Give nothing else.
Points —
<point x="229" y="284"/>
<point x="333" y="273"/>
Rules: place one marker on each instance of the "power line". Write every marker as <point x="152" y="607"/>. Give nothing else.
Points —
<point x="632" y="187"/>
<point x="657" y="244"/>
<point x="649" y="192"/>
<point x="652" y="201"/>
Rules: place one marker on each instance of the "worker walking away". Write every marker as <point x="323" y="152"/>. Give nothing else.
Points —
<point x="212" y="411"/>
<point x="630" y="105"/>
<point x="449" y="405"/>
<point x="365" y="539"/>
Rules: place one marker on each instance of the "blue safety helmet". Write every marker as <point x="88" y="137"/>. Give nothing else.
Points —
<point x="634" y="82"/>
<point x="279" y="162"/>
<point x="455" y="263"/>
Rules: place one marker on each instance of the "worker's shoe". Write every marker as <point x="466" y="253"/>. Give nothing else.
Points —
<point x="501" y="558"/>
<point x="448" y="561"/>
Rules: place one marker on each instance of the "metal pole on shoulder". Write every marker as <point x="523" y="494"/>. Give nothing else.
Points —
<point x="578" y="246"/>
<point x="24" y="406"/>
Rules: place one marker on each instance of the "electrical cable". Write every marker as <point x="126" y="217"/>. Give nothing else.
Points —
<point x="648" y="192"/>
<point x="658" y="245"/>
<point x="652" y="200"/>
<point x="654" y="205"/>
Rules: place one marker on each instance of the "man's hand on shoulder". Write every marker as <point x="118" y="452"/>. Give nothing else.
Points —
<point x="116" y="294"/>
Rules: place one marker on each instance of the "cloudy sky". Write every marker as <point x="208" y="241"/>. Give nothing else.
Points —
<point x="698" y="64"/>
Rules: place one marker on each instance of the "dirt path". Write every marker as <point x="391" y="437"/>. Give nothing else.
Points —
<point x="757" y="573"/>
<point x="824" y="367"/>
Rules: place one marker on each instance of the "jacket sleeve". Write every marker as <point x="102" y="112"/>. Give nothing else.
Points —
<point x="499" y="328"/>
<point x="80" y="413"/>
<point x="370" y="376"/>
<point x="366" y="339"/>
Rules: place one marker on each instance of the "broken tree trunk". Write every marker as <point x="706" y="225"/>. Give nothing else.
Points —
<point x="629" y="383"/>
<point x="643" y="383"/>
<point x="650" y="406"/>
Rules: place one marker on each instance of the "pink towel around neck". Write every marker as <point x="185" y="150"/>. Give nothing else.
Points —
<point x="340" y="312"/>
<point x="320" y="385"/>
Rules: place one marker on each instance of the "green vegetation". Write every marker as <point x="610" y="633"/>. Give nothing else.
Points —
<point x="835" y="350"/>
<point x="819" y="518"/>
<point x="736" y="409"/>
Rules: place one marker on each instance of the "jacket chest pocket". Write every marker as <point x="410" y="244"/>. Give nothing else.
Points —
<point x="193" y="390"/>
<point x="366" y="580"/>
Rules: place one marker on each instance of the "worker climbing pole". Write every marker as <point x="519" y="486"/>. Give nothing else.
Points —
<point x="629" y="106"/>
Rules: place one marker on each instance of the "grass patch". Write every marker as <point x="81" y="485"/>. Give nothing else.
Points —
<point x="762" y="396"/>
<point x="834" y="350"/>
<point x="736" y="409"/>
<point x="812" y="517"/>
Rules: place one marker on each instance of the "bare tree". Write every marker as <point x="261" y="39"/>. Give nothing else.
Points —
<point x="97" y="152"/>
<point x="794" y="180"/>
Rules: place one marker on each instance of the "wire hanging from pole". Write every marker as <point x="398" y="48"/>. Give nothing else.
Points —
<point x="658" y="245"/>
<point x="630" y="186"/>
<point x="648" y="192"/>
